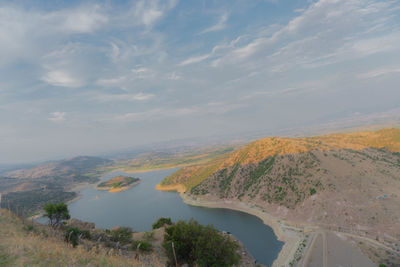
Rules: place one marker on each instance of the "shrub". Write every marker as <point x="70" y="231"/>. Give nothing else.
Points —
<point x="29" y="228"/>
<point x="161" y="222"/>
<point x="312" y="191"/>
<point x="144" y="245"/>
<point x="122" y="235"/>
<point x="201" y="245"/>
<point x="72" y="236"/>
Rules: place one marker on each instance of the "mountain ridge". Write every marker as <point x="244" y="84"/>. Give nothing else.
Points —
<point x="343" y="182"/>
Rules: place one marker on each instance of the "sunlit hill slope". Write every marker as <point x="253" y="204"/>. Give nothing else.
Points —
<point x="348" y="182"/>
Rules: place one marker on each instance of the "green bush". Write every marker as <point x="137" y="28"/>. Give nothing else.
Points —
<point x="122" y="235"/>
<point x="161" y="222"/>
<point x="56" y="213"/>
<point x="29" y="228"/>
<point x="312" y="191"/>
<point x="72" y="236"/>
<point x="144" y="245"/>
<point x="199" y="245"/>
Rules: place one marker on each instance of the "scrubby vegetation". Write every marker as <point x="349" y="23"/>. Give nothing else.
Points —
<point x="142" y="245"/>
<point x="72" y="235"/>
<point x="122" y="235"/>
<point x="199" y="245"/>
<point x="162" y="222"/>
<point x="26" y="244"/>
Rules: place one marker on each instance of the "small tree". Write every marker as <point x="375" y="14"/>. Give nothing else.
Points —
<point x="56" y="213"/>
<point x="199" y="245"/>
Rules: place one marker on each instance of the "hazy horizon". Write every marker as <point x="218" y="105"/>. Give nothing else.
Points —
<point x="85" y="77"/>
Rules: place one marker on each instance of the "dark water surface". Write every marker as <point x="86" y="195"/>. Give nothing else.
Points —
<point x="140" y="206"/>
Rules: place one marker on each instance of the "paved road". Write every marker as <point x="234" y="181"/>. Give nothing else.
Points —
<point x="314" y="255"/>
<point x="327" y="249"/>
<point x="325" y="242"/>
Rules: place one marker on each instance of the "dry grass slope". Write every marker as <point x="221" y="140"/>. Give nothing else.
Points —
<point x="267" y="147"/>
<point x="19" y="247"/>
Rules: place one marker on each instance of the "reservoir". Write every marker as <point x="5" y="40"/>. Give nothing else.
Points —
<point x="141" y="205"/>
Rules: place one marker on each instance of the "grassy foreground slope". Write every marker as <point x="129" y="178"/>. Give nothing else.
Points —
<point x="19" y="247"/>
<point x="346" y="182"/>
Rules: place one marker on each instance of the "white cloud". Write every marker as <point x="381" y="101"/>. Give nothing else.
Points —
<point x="142" y="73"/>
<point x="220" y="25"/>
<point x="192" y="60"/>
<point x="378" y="72"/>
<point x="148" y="12"/>
<point x="124" y="97"/>
<point x="61" y="78"/>
<point x="26" y="33"/>
<point x="343" y="32"/>
<point x="57" y="116"/>
<point x="377" y="44"/>
<point x="80" y="20"/>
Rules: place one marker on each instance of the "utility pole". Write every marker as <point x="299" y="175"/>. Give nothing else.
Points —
<point x="173" y="251"/>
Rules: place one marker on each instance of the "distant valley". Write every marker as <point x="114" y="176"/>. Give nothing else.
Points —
<point x="346" y="183"/>
<point x="26" y="190"/>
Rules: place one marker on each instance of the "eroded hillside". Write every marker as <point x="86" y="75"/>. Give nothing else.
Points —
<point x="347" y="182"/>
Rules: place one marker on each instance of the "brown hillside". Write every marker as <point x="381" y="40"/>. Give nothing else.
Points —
<point x="263" y="148"/>
<point x="346" y="182"/>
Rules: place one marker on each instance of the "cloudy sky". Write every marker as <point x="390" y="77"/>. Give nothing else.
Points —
<point x="83" y="77"/>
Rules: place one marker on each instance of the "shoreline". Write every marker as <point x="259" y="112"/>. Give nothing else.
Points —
<point x="291" y="236"/>
<point x="75" y="188"/>
<point x="177" y="188"/>
<point x="117" y="190"/>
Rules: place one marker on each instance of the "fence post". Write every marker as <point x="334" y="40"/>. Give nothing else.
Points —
<point x="173" y="251"/>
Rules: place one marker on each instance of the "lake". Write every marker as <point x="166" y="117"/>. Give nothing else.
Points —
<point x="140" y="206"/>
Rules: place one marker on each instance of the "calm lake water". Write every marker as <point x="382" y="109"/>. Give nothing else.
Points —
<point x="140" y="206"/>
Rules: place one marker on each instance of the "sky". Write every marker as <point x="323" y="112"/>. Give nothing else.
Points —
<point x="84" y="77"/>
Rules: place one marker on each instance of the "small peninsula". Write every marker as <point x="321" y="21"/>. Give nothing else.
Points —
<point x="118" y="183"/>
